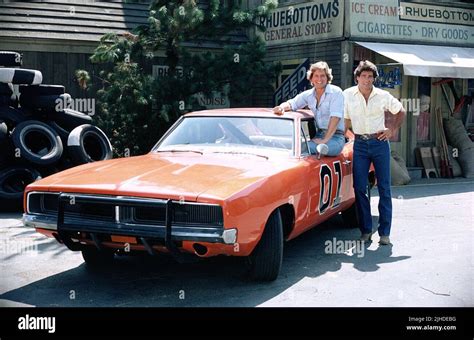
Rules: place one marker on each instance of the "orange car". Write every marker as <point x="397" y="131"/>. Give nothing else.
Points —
<point x="235" y="182"/>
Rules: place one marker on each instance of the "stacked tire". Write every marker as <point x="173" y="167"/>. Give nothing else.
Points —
<point x="39" y="134"/>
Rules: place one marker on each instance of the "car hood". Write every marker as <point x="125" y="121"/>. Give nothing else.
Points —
<point x="166" y="175"/>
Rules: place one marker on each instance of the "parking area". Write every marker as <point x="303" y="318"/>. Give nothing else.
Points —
<point x="430" y="264"/>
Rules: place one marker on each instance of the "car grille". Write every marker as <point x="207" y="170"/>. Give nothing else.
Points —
<point x="186" y="214"/>
<point x="182" y="213"/>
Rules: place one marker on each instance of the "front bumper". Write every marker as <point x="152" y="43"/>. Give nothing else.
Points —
<point x="211" y="235"/>
<point x="167" y="231"/>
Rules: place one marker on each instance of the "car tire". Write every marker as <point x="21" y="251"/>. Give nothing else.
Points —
<point x="70" y="119"/>
<point x="44" y="140"/>
<point x="266" y="259"/>
<point x="10" y="59"/>
<point x="20" y="76"/>
<point x="41" y="90"/>
<point x="95" y="258"/>
<point x="87" y="143"/>
<point x="351" y="217"/>
<point x="13" y="181"/>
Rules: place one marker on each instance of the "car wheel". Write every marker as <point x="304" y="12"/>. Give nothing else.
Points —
<point x="265" y="260"/>
<point x="10" y="59"/>
<point x="37" y="142"/>
<point x="350" y="217"/>
<point x="87" y="143"/>
<point x="95" y="258"/>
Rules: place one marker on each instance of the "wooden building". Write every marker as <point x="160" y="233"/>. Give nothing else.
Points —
<point x="57" y="37"/>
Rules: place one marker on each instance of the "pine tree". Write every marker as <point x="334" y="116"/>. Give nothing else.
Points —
<point x="135" y="109"/>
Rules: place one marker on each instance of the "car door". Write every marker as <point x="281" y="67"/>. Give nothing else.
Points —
<point x="329" y="178"/>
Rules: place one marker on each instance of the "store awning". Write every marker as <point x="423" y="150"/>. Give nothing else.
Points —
<point x="427" y="60"/>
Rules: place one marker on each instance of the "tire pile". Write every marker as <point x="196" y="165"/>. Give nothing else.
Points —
<point x="37" y="139"/>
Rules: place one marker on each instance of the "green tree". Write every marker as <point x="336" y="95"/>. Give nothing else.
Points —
<point x="135" y="109"/>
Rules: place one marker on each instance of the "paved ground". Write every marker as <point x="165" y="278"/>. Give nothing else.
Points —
<point x="430" y="264"/>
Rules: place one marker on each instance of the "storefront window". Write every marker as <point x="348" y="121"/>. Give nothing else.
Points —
<point x="423" y="120"/>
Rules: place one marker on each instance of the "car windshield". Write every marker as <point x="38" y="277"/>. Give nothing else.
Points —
<point x="226" y="134"/>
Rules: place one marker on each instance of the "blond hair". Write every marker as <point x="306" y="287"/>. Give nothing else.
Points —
<point x="320" y="65"/>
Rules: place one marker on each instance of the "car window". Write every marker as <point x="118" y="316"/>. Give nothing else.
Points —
<point x="305" y="136"/>
<point x="251" y="132"/>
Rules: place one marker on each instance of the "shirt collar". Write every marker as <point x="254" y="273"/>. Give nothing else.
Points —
<point x="374" y="92"/>
<point x="327" y="89"/>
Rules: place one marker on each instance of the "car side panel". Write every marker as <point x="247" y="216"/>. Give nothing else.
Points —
<point x="323" y="176"/>
<point x="251" y="208"/>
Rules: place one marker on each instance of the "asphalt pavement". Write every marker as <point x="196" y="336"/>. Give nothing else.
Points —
<point x="429" y="264"/>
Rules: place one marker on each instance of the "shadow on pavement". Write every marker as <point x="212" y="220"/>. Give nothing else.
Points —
<point x="161" y="282"/>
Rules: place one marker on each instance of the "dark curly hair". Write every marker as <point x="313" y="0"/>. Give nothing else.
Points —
<point x="366" y="65"/>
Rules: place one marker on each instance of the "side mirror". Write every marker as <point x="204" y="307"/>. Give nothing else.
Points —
<point x="322" y="150"/>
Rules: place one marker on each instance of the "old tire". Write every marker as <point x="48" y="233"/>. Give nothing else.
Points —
<point x="6" y="89"/>
<point x="20" y="76"/>
<point x="3" y="131"/>
<point x="265" y="260"/>
<point x="41" y="90"/>
<point x="70" y="119"/>
<point x="95" y="258"/>
<point x="12" y="116"/>
<point x="13" y="181"/>
<point x="50" y="102"/>
<point x="10" y="59"/>
<point x="37" y="142"/>
<point x="63" y="133"/>
<point x="6" y="100"/>
<point x="87" y="143"/>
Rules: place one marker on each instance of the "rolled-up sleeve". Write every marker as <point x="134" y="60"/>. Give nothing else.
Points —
<point x="336" y="108"/>
<point x="298" y="102"/>
<point x="346" y="106"/>
<point x="394" y="106"/>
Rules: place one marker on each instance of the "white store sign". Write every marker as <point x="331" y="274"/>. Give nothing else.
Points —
<point x="310" y="21"/>
<point x="400" y="20"/>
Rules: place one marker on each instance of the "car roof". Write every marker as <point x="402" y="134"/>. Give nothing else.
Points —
<point x="250" y="112"/>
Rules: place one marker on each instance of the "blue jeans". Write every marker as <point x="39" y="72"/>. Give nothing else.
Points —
<point x="376" y="152"/>
<point x="335" y="144"/>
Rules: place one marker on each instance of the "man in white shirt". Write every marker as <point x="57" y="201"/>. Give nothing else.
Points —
<point x="364" y="109"/>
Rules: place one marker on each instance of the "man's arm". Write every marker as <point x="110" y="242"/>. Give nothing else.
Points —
<point x="347" y="124"/>
<point x="389" y="132"/>
<point x="330" y="131"/>
<point x="280" y="109"/>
